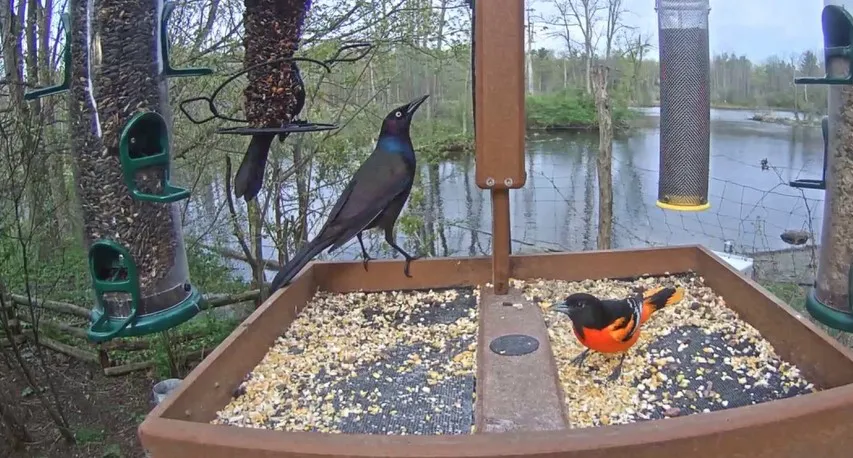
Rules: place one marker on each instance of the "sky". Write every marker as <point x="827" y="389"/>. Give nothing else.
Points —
<point x="755" y="28"/>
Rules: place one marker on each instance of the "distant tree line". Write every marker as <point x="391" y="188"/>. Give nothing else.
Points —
<point x="736" y="81"/>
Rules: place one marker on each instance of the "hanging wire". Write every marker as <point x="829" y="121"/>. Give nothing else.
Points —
<point x="348" y="53"/>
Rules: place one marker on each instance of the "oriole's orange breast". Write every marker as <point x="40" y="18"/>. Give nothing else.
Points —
<point x="602" y="340"/>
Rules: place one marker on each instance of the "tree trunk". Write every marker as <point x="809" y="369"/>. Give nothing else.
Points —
<point x="605" y="158"/>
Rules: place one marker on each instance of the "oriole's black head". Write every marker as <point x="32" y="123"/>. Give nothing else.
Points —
<point x="576" y="303"/>
<point x="585" y="310"/>
<point x="399" y="119"/>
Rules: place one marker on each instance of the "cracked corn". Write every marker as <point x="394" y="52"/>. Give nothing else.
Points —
<point x="374" y="363"/>
<point x="695" y="356"/>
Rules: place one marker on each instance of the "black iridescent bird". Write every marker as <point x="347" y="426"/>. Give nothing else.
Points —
<point x="250" y="175"/>
<point x="374" y="197"/>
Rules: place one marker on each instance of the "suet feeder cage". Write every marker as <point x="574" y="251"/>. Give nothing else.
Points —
<point x="351" y="52"/>
<point x="685" y="110"/>
<point x="830" y="299"/>
<point x="459" y="360"/>
<point x="117" y="64"/>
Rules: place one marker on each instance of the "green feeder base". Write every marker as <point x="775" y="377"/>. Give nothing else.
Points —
<point x="102" y="329"/>
<point x="834" y="318"/>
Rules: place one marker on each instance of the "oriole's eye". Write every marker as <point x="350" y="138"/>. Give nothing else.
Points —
<point x="398" y="114"/>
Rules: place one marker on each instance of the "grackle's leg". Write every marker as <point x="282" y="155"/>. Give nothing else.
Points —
<point x="579" y="359"/>
<point x="366" y="257"/>
<point x="617" y="372"/>
<point x="389" y="237"/>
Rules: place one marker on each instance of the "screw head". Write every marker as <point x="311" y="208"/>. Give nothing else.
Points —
<point x="490" y="182"/>
<point x="508" y="182"/>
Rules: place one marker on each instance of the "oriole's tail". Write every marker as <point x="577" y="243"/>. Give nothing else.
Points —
<point x="658" y="298"/>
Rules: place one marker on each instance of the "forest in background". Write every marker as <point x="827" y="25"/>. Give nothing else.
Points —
<point x="419" y="46"/>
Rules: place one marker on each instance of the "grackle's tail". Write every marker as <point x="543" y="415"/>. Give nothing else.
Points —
<point x="250" y="175"/>
<point x="305" y="254"/>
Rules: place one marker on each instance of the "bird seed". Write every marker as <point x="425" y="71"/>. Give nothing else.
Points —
<point x="695" y="356"/>
<point x="372" y="363"/>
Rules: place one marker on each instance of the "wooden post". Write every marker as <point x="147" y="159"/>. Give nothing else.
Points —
<point x="499" y="117"/>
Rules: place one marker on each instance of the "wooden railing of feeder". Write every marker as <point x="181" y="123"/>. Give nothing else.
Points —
<point x="499" y="117"/>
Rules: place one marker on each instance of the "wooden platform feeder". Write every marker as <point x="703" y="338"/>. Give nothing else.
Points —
<point x="519" y="409"/>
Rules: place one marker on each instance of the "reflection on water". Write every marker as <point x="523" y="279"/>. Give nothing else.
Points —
<point x="557" y="207"/>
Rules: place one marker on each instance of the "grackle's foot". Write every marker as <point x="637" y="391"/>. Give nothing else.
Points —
<point x="365" y="257"/>
<point x="409" y="260"/>
<point x="579" y="359"/>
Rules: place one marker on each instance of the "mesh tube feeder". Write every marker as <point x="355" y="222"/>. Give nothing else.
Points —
<point x="685" y="110"/>
<point x="829" y="301"/>
<point x="117" y="59"/>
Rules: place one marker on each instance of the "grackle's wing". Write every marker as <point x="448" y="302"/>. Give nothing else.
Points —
<point x="379" y="180"/>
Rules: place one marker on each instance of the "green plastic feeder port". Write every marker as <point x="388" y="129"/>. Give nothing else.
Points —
<point x="832" y="317"/>
<point x="168" y="70"/>
<point x="65" y="20"/>
<point x="113" y="270"/>
<point x="144" y="143"/>
<point x="837" y="41"/>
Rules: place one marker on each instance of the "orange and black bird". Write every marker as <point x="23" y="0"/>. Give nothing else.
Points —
<point x="613" y="325"/>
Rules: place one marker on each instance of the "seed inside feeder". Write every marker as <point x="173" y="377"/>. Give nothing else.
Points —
<point x="272" y="31"/>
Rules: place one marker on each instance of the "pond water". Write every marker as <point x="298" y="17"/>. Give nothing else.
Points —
<point x="557" y="209"/>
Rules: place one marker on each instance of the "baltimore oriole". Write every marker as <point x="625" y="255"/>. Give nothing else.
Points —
<point x="613" y="326"/>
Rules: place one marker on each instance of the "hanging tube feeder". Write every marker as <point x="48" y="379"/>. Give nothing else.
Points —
<point x="117" y="63"/>
<point x="685" y="110"/>
<point x="829" y="301"/>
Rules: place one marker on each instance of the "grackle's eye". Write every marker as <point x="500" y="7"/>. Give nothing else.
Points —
<point x="398" y="114"/>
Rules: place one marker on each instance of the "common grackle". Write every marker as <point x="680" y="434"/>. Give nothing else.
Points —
<point x="250" y="175"/>
<point x="374" y="197"/>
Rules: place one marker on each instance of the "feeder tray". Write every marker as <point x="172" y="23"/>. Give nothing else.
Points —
<point x="298" y="334"/>
<point x="348" y="53"/>
<point x="114" y="273"/>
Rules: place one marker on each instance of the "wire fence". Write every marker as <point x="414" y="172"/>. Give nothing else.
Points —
<point x="557" y="211"/>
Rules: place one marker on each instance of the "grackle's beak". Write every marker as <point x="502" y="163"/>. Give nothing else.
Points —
<point x="415" y="104"/>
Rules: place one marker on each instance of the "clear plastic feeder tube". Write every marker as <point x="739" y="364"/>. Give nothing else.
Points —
<point x="836" y="242"/>
<point x="120" y="107"/>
